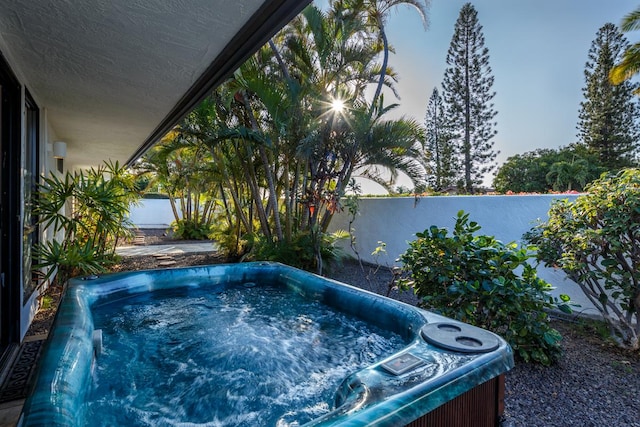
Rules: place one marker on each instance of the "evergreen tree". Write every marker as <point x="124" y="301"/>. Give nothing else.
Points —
<point x="607" y="122"/>
<point x="440" y="144"/>
<point x="467" y="91"/>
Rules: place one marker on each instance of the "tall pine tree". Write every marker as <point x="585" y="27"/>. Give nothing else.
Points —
<point x="440" y="144"/>
<point x="607" y="122"/>
<point x="467" y="91"/>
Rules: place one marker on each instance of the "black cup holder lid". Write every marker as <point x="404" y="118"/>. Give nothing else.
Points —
<point x="459" y="337"/>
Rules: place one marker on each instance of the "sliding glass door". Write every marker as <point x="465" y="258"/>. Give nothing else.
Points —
<point x="10" y="212"/>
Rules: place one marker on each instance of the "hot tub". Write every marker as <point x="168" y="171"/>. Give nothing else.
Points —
<point x="307" y="350"/>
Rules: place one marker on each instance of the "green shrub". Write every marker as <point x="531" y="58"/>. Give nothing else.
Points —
<point x="230" y="240"/>
<point x="191" y="230"/>
<point x="473" y="279"/>
<point x="596" y="241"/>
<point x="300" y="252"/>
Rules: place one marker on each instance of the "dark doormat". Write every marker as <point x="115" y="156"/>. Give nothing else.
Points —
<point x="18" y="380"/>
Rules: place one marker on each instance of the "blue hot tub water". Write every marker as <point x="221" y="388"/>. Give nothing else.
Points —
<point x="230" y="356"/>
<point x="246" y="344"/>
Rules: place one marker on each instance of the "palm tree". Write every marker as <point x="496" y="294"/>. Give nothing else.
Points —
<point x="336" y="54"/>
<point x="630" y="64"/>
<point x="565" y="174"/>
<point x="272" y="135"/>
<point x="376" y="14"/>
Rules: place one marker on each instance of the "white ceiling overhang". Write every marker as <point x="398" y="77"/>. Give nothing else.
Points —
<point x="115" y="75"/>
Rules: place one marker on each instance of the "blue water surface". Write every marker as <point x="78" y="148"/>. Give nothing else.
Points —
<point x="226" y="356"/>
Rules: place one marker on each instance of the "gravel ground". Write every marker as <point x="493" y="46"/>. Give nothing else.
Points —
<point x="595" y="384"/>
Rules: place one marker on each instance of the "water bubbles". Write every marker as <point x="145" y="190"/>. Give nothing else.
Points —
<point x="241" y="357"/>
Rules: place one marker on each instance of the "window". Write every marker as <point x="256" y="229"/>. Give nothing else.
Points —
<point x="30" y="233"/>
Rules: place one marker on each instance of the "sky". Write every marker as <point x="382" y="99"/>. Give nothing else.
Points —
<point x="537" y="52"/>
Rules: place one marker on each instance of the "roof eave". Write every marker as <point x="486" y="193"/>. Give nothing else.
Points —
<point x="264" y="23"/>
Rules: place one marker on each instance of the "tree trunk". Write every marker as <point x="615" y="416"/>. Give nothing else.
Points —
<point x="267" y="169"/>
<point x="383" y="71"/>
<point x="467" y="124"/>
<point x="250" y="177"/>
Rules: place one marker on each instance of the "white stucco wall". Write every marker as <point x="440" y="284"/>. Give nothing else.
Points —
<point x="395" y="221"/>
<point x="151" y="213"/>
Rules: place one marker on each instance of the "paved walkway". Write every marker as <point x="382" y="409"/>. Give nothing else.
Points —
<point x="178" y="248"/>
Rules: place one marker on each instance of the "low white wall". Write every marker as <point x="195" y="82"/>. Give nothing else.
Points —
<point x="395" y="221"/>
<point x="151" y="212"/>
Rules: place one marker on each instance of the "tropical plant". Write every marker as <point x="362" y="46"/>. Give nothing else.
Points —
<point x="280" y="153"/>
<point x="479" y="280"/>
<point x="540" y="171"/>
<point x="595" y="241"/>
<point x="565" y="176"/>
<point x="186" y="171"/>
<point x="629" y="65"/>
<point x="301" y="251"/>
<point x="525" y="173"/>
<point x="608" y="123"/>
<point x="90" y="210"/>
<point x="376" y="13"/>
<point x="467" y="92"/>
<point x="277" y="114"/>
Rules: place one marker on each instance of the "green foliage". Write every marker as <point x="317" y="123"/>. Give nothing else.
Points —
<point x="595" y="241"/>
<point x="300" y="252"/>
<point x="46" y="302"/>
<point x="474" y="279"/>
<point x="155" y="196"/>
<point x="565" y="175"/>
<point x="230" y="241"/>
<point x="70" y="259"/>
<point x="265" y="154"/>
<point x="441" y="145"/>
<point x="543" y="170"/>
<point x="182" y="167"/>
<point x="629" y="64"/>
<point x="99" y="200"/>
<point x="191" y="230"/>
<point x="608" y="123"/>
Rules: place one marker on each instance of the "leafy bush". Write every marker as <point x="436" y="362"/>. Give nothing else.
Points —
<point x="301" y="252"/>
<point x="473" y="279"/>
<point x="191" y="230"/>
<point x="595" y="240"/>
<point x="229" y="239"/>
